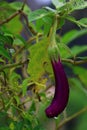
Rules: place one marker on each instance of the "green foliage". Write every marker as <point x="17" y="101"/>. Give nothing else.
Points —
<point x="5" y="43"/>
<point x="76" y="50"/>
<point x="72" y="35"/>
<point x="25" y="85"/>
<point x="6" y="10"/>
<point x="81" y="72"/>
<point x="38" y="56"/>
<point x="38" y="14"/>
<point x="58" y="3"/>
<point x="81" y="23"/>
<point x="45" y="24"/>
<point x="15" y="26"/>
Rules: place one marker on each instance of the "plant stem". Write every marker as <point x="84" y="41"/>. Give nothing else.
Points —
<point x="14" y="15"/>
<point x="74" y="62"/>
<point x="52" y="33"/>
<point x="27" y="45"/>
<point x="13" y="65"/>
<point x="21" y="63"/>
<point x="72" y="117"/>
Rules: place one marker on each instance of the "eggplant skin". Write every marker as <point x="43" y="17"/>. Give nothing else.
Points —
<point x="61" y="95"/>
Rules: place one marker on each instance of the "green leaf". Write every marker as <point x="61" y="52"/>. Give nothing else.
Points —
<point x="43" y="25"/>
<point x="83" y="20"/>
<point x="32" y="108"/>
<point x="47" y="24"/>
<point x="14" y="26"/>
<point x="24" y="86"/>
<point x="71" y="35"/>
<point x="73" y="5"/>
<point x="17" y="99"/>
<point x="77" y="83"/>
<point x="12" y="126"/>
<point x="38" y="14"/>
<point x="62" y="22"/>
<point x="6" y="40"/>
<point x="81" y="73"/>
<point x="39" y="25"/>
<point x="76" y="97"/>
<point x="68" y="7"/>
<point x="78" y="49"/>
<point x="65" y="51"/>
<point x="77" y="4"/>
<point x="5" y="10"/>
<point x="18" y="125"/>
<point x="2" y="40"/>
<point x="81" y="23"/>
<point x="4" y="52"/>
<point x="3" y="122"/>
<point x="16" y="5"/>
<point x="58" y="3"/>
<point x="38" y="55"/>
<point x="19" y="41"/>
<point x="82" y="122"/>
<point x="39" y="127"/>
<point x="9" y="40"/>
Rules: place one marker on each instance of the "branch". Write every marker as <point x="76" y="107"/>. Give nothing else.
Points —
<point x="75" y="62"/>
<point x="24" y="16"/>
<point x="22" y="8"/>
<point x="27" y="45"/>
<point x="13" y="65"/>
<point x="72" y="117"/>
<point x="13" y="15"/>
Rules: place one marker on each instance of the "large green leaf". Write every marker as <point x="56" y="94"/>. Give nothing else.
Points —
<point x="77" y="4"/>
<point x="18" y="5"/>
<point x="43" y="25"/>
<point x="65" y="51"/>
<point x="77" y="99"/>
<point x="5" y="10"/>
<point x="38" y="14"/>
<point x="68" y="7"/>
<point x="15" y="25"/>
<point x="71" y="35"/>
<point x="78" y="49"/>
<point x="38" y="56"/>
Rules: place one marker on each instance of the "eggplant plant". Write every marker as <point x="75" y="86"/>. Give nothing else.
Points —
<point x="42" y="78"/>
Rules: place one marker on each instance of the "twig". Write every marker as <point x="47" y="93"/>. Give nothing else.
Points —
<point x="13" y="15"/>
<point x="26" y="46"/>
<point x="13" y="65"/>
<point x="72" y="117"/>
<point x="24" y="16"/>
<point x="22" y="8"/>
<point x="74" y="62"/>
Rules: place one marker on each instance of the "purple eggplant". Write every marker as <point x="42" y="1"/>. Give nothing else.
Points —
<point x="61" y="95"/>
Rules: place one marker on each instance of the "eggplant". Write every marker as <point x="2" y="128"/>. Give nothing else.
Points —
<point x="61" y="94"/>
